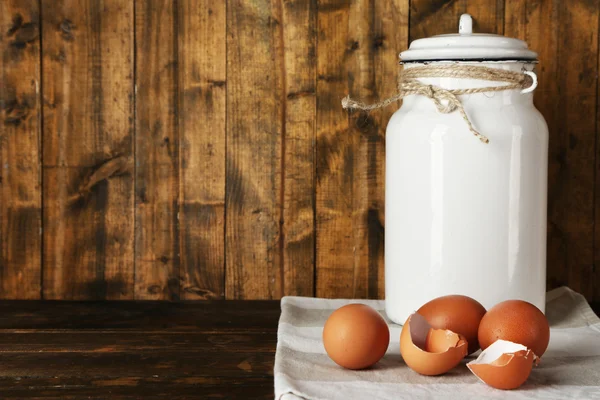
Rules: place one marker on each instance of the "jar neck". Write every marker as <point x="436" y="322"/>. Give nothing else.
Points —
<point x="504" y="97"/>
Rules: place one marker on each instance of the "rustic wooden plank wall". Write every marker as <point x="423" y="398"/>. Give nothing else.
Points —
<point x="201" y="67"/>
<point x="255" y="123"/>
<point x="87" y="147"/>
<point x="299" y="21"/>
<point x="357" y="54"/>
<point x="180" y="149"/>
<point x="157" y="177"/>
<point x="20" y="151"/>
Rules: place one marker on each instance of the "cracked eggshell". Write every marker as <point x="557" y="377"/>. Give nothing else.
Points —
<point x="460" y="314"/>
<point x="430" y="351"/>
<point x="504" y="365"/>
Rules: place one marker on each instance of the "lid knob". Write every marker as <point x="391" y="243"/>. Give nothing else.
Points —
<point x="465" y="25"/>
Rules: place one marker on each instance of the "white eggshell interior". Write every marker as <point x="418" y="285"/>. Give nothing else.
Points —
<point x="496" y="349"/>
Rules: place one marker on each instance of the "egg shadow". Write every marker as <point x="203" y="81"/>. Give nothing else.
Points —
<point x="458" y="374"/>
<point x="552" y="371"/>
<point x="390" y="361"/>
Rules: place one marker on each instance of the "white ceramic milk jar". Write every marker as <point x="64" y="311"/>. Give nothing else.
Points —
<point x="466" y="175"/>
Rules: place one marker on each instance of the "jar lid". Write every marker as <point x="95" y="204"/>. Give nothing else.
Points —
<point x="467" y="45"/>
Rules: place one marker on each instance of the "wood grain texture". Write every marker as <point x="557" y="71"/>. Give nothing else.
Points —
<point x="363" y="132"/>
<point x="571" y="207"/>
<point x="75" y="341"/>
<point x="20" y="171"/>
<point x="335" y="152"/>
<point x="109" y="364"/>
<point x="142" y="317"/>
<point x="299" y="44"/>
<point x="202" y="105"/>
<point x="358" y="46"/>
<point x="87" y="149"/>
<point x="390" y="36"/>
<point x="596" y="266"/>
<point x="156" y="151"/>
<point x="559" y="31"/>
<point x="133" y="350"/>
<point x="255" y="98"/>
<point x="181" y="149"/>
<point x="436" y="17"/>
<point x="135" y="387"/>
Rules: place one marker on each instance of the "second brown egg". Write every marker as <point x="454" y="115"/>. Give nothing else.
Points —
<point x="460" y="314"/>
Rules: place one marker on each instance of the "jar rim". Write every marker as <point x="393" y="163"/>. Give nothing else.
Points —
<point x="473" y="60"/>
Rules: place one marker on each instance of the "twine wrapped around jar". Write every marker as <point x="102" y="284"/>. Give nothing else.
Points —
<point x="446" y="100"/>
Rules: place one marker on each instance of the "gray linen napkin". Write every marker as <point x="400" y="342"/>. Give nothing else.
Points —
<point x="570" y="368"/>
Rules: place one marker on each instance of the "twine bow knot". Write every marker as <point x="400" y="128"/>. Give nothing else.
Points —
<point x="437" y="95"/>
<point x="446" y="100"/>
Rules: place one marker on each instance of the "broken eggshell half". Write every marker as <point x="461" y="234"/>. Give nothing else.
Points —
<point x="430" y="351"/>
<point x="504" y="364"/>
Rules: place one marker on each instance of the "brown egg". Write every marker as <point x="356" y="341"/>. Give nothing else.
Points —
<point x="516" y="321"/>
<point x="503" y="365"/>
<point x="430" y="351"/>
<point x="356" y="336"/>
<point x="460" y="314"/>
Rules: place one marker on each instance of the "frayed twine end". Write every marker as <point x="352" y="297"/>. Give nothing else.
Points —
<point x="349" y="104"/>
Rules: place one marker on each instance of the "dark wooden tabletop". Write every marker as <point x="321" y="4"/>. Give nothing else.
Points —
<point x="117" y="350"/>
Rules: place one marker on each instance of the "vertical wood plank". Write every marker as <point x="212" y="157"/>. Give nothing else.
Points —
<point x="299" y="38"/>
<point x="87" y="149"/>
<point x="568" y="54"/>
<point x="20" y="124"/>
<point x="596" y="266"/>
<point x="572" y="207"/>
<point x="390" y="37"/>
<point x="363" y="132"/>
<point x="335" y="152"/>
<point x="428" y="18"/>
<point x="336" y="149"/>
<point x="358" y="48"/>
<point x="255" y="116"/>
<point x="202" y="102"/>
<point x="571" y="211"/>
<point x="156" y="152"/>
<point x="372" y="64"/>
